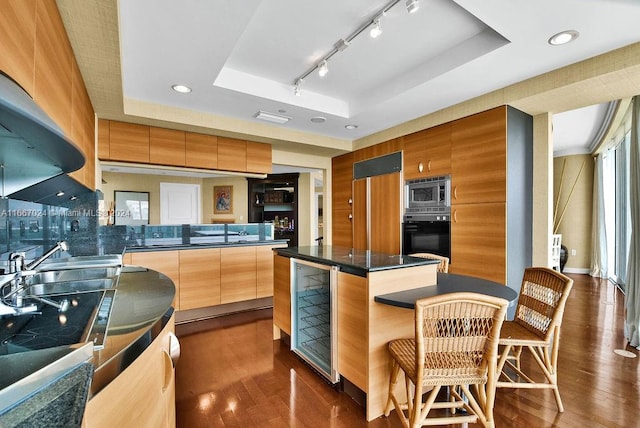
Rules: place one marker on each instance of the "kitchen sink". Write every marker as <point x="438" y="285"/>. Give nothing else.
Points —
<point x="82" y="262"/>
<point x="70" y="287"/>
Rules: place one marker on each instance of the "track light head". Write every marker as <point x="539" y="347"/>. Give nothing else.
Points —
<point x="296" y="89"/>
<point x="376" y="30"/>
<point x="412" y="6"/>
<point x="323" y="69"/>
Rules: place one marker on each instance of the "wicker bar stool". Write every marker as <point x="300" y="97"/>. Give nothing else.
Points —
<point x="455" y="346"/>
<point x="444" y="261"/>
<point x="536" y="327"/>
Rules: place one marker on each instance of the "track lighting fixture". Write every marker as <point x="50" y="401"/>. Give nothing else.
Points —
<point x="412" y="6"/>
<point x="376" y="30"/>
<point x="323" y="69"/>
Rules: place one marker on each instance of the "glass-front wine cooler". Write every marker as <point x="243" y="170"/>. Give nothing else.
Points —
<point x="314" y="316"/>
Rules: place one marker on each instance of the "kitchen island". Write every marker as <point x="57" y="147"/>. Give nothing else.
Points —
<point x="364" y="327"/>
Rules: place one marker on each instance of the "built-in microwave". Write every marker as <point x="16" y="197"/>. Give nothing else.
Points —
<point x="428" y="195"/>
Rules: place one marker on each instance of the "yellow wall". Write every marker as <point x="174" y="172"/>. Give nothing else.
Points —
<point x="575" y="224"/>
<point x="239" y="202"/>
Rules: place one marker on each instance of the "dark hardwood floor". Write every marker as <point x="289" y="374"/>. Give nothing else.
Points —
<point x="232" y="374"/>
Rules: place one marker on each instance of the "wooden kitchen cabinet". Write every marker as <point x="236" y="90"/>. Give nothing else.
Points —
<point x="379" y="149"/>
<point x="342" y="228"/>
<point x="143" y="395"/>
<point x="232" y="154"/>
<point x="18" y="35"/>
<point x="342" y="200"/>
<point x="281" y="294"/>
<point x="103" y="139"/>
<point x="128" y="142"/>
<point x="479" y="158"/>
<point x="238" y="274"/>
<point x="258" y="157"/>
<point x="427" y="153"/>
<point x="199" y="278"/>
<point x="83" y="128"/>
<point x="53" y="69"/>
<point x="201" y="151"/>
<point x="478" y="240"/>
<point x="165" y="262"/>
<point x="264" y="271"/>
<point x="166" y="146"/>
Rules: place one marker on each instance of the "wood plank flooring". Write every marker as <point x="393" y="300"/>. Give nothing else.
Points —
<point x="232" y="374"/>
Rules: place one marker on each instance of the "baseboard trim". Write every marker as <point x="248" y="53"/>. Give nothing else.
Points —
<point x="577" y="270"/>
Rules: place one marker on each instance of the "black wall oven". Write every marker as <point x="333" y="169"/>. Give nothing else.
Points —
<point x="427" y="233"/>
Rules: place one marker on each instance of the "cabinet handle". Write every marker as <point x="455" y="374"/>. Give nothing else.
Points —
<point x="350" y="201"/>
<point x="455" y="192"/>
<point x="350" y="216"/>
<point x="455" y="216"/>
<point x="168" y="370"/>
<point x="174" y="348"/>
<point x="429" y="166"/>
<point x="420" y="167"/>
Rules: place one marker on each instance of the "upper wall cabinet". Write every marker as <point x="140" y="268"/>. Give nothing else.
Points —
<point x="166" y="146"/>
<point x="18" y="35"/>
<point x="128" y="142"/>
<point x="201" y="151"/>
<point x="35" y="52"/>
<point x="427" y="153"/>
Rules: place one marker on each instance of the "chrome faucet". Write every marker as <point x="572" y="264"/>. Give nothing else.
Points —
<point x="11" y="302"/>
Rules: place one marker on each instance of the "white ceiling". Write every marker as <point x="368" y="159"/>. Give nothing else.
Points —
<point x="242" y="58"/>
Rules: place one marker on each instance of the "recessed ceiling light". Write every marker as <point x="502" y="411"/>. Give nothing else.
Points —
<point x="563" y="37"/>
<point x="73" y="198"/>
<point x="60" y="193"/>
<point x="181" y="88"/>
<point x="271" y="117"/>
<point x="351" y="126"/>
<point x="318" y="119"/>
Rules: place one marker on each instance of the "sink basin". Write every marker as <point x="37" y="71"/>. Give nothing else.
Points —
<point x="82" y="262"/>
<point x="48" y="276"/>
<point x="70" y="287"/>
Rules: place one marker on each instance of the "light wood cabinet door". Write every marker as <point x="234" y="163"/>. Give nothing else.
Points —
<point x="264" y="271"/>
<point x="143" y="395"/>
<point x="128" y="142"/>
<point x="83" y="128"/>
<point x="18" y="35"/>
<point x="232" y="154"/>
<point x="427" y="153"/>
<point x="479" y="158"/>
<point x="341" y="177"/>
<point x="359" y="216"/>
<point x="478" y="240"/>
<point x="103" y="139"/>
<point x="166" y="262"/>
<point x="342" y="228"/>
<point x="201" y="151"/>
<point x="258" y="157"/>
<point x="237" y="274"/>
<point x="199" y="278"/>
<point x="166" y="146"/>
<point x="53" y="65"/>
<point x="353" y="324"/>
<point x="282" y="293"/>
<point x="379" y="149"/>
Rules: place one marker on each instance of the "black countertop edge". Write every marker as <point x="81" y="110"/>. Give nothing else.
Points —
<point x="145" y="248"/>
<point x="352" y="261"/>
<point x="448" y="283"/>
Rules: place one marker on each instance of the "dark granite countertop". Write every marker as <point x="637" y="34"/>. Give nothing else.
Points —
<point x="448" y="283"/>
<point x="349" y="260"/>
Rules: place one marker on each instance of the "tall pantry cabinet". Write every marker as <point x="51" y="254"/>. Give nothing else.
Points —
<point x="491" y="200"/>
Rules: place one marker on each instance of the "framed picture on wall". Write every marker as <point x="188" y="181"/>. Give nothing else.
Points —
<point x="222" y="199"/>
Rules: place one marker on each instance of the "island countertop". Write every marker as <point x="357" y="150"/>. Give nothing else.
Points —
<point x="353" y="261"/>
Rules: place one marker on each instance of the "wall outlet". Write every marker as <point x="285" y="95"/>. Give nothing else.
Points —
<point x="573" y="252"/>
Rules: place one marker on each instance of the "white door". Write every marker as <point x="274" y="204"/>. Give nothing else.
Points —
<point x="179" y="203"/>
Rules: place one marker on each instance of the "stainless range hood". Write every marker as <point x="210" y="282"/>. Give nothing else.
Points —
<point x="32" y="147"/>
